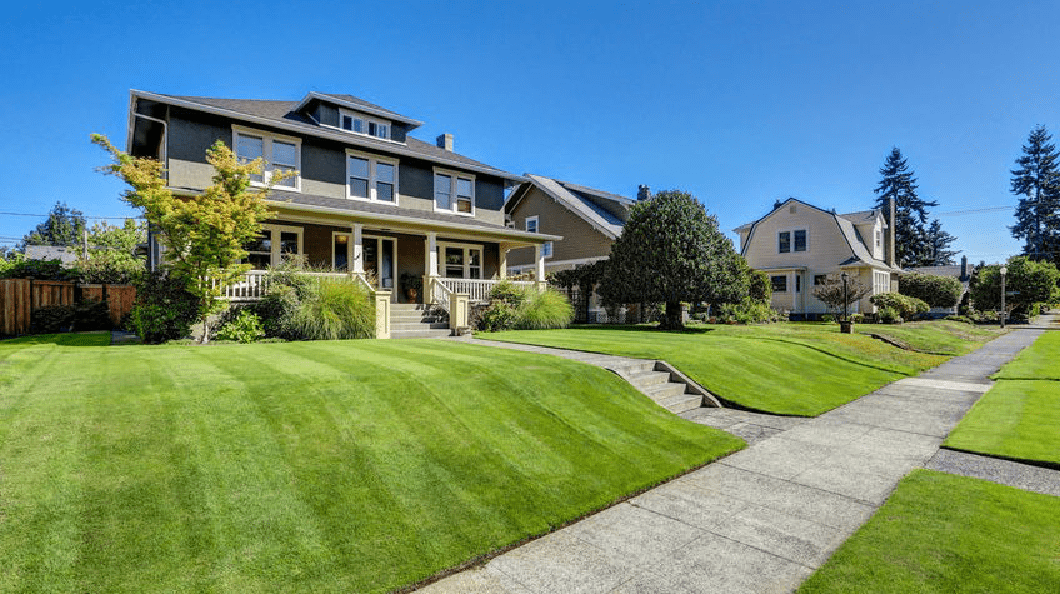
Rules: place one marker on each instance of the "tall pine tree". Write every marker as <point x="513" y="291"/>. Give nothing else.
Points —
<point x="910" y="234"/>
<point x="938" y="242"/>
<point x="1037" y="181"/>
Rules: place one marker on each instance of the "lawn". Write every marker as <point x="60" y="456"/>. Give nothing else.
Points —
<point x="940" y="533"/>
<point x="347" y="466"/>
<point x="768" y="368"/>
<point x="941" y="337"/>
<point x="1019" y="416"/>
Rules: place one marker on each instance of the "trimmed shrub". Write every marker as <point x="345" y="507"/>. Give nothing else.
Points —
<point x="544" y="309"/>
<point x="245" y="327"/>
<point x="38" y="269"/>
<point x="828" y="319"/>
<point x="906" y="307"/>
<point x="888" y="315"/>
<point x="748" y="311"/>
<point x="498" y="316"/>
<point x="164" y="309"/>
<point x="512" y="294"/>
<point x="936" y="291"/>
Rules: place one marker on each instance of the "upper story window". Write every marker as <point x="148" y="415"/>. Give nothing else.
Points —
<point x="879" y="238"/>
<point x="280" y="153"/>
<point x="791" y="241"/>
<point x="533" y="226"/>
<point x="454" y="192"/>
<point x="361" y="124"/>
<point x="371" y="177"/>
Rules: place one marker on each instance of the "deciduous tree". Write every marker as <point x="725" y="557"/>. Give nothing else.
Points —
<point x="671" y="251"/>
<point x="833" y="293"/>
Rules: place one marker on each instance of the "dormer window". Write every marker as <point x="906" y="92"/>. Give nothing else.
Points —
<point x="361" y="124"/>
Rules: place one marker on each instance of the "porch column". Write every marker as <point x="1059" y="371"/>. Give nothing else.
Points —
<point x="431" y="261"/>
<point x="358" y="259"/>
<point x="794" y="293"/>
<point x="539" y="254"/>
<point x="502" y="261"/>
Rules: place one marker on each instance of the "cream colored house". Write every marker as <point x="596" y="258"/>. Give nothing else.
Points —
<point x="798" y="245"/>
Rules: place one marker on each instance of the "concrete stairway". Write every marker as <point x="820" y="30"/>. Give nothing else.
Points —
<point x="412" y="320"/>
<point x="659" y="383"/>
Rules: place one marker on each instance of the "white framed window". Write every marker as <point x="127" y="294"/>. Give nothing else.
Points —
<point x="275" y="245"/>
<point x="792" y="240"/>
<point x="454" y="192"/>
<point x="546" y="249"/>
<point x="460" y="260"/>
<point x="280" y="153"/>
<point x="371" y="177"/>
<point x="533" y="225"/>
<point x="779" y="283"/>
<point x="358" y="123"/>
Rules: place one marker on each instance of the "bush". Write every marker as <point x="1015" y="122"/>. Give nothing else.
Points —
<point x="512" y="294"/>
<point x="964" y="319"/>
<point x="89" y="315"/>
<point x="936" y="291"/>
<point x="276" y="309"/>
<point x="544" y="309"/>
<point x="332" y="309"/>
<point x="888" y="315"/>
<point x="857" y="318"/>
<point x="164" y="309"/>
<point x="828" y="318"/>
<point x="748" y="311"/>
<point x="1034" y="282"/>
<point x="905" y="306"/>
<point x="498" y="316"/>
<point x="761" y="289"/>
<point x="38" y="269"/>
<point x="245" y="327"/>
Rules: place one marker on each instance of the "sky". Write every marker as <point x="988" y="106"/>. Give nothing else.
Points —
<point x="739" y="103"/>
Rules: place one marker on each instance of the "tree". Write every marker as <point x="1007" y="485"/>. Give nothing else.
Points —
<point x="838" y="295"/>
<point x="936" y="241"/>
<point x="671" y="251"/>
<point x="110" y="255"/>
<point x="1030" y="282"/>
<point x="910" y="211"/>
<point x="203" y="235"/>
<point x="65" y="226"/>
<point x="936" y="291"/>
<point x="1037" y="180"/>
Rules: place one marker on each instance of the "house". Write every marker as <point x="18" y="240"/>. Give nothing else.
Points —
<point x="588" y="219"/>
<point x="798" y="245"/>
<point x="366" y="196"/>
<point x="65" y="254"/>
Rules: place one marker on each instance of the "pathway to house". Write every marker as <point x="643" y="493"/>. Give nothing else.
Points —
<point x="763" y="519"/>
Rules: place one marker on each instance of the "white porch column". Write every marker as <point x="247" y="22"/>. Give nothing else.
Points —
<point x="358" y="249"/>
<point x="794" y="293"/>
<point x="431" y="260"/>
<point x="502" y="260"/>
<point x="539" y="254"/>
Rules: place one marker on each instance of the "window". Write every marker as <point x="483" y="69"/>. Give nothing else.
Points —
<point x="818" y="279"/>
<point x="546" y="249"/>
<point x="280" y="153"/>
<point x="785" y="242"/>
<point x="275" y="245"/>
<point x="531" y="224"/>
<point x="462" y="261"/>
<point x="371" y="177"/>
<point x="779" y="282"/>
<point x="454" y="192"/>
<point x="800" y="240"/>
<point x="878" y="237"/>
<point x="785" y="239"/>
<point x="361" y="124"/>
<point x="798" y="283"/>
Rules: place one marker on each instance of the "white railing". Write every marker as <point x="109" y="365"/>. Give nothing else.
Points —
<point x="255" y="284"/>
<point x="478" y="290"/>
<point x="440" y="294"/>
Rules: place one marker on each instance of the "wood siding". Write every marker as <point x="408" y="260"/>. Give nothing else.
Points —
<point x="581" y="240"/>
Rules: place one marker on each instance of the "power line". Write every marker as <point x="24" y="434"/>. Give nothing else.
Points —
<point x="81" y="216"/>
<point x="975" y="210"/>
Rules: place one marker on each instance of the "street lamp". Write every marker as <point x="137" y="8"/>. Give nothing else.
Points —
<point x="846" y="298"/>
<point x="1004" y="270"/>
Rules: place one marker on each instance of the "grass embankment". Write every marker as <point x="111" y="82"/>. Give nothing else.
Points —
<point x="306" y="467"/>
<point x="940" y="533"/>
<point x="940" y="337"/>
<point x="1018" y="418"/>
<point x="787" y="368"/>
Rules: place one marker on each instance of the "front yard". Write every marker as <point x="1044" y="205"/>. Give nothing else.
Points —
<point x="348" y="466"/>
<point x="787" y="368"/>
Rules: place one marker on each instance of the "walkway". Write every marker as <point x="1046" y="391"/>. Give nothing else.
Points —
<point x="763" y="519"/>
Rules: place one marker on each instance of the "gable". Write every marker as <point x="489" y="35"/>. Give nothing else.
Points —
<point x="826" y="246"/>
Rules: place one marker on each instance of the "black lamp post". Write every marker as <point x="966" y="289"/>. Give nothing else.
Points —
<point x="1004" y="314"/>
<point x="846" y="297"/>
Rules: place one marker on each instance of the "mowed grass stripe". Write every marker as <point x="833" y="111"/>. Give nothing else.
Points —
<point x="340" y="466"/>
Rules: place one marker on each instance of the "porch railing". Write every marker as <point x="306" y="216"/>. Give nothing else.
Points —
<point x="255" y="284"/>
<point x="441" y="295"/>
<point x="477" y="290"/>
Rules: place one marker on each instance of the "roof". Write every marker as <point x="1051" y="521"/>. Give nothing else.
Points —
<point x="579" y="200"/>
<point x="358" y="104"/>
<point x="953" y="270"/>
<point x="861" y="217"/>
<point x="284" y="115"/>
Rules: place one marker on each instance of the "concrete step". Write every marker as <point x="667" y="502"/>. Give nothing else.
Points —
<point x="633" y="367"/>
<point x="412" y="326"/>
<point x="682" y="403"/>
<point x="649" y="378"/>
<point x="415" y="317"/>
<point x="663" y="391"/>
<point x="398" y="334"/>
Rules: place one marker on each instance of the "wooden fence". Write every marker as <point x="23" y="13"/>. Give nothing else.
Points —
<point x="19" y="297"/>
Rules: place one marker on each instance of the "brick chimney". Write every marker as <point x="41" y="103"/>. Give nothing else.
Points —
<point x="445" y="141"/>
<point x="890" y="231"/>
<point x="643" y="192"/>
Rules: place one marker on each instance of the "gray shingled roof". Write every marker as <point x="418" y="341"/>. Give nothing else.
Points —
<point x="599" y="218"/>
<point x="861" y="217"/>
<point x="281" y="112"/>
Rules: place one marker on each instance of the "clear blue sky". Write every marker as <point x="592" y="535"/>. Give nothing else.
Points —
<point x="739" y="103"/>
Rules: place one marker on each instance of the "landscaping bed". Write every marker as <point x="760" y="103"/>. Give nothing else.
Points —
<point x="354" y="466"/>
<point x="940" y="533"/>
<point x="788" y="368"/>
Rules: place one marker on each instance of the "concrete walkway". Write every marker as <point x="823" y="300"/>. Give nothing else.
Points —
<point x="763" y="519"/>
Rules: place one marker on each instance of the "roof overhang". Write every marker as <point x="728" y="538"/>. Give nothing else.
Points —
<point x="343" y="137"/>
<point x="783" y="269"/>
<point x="356" y="106"/>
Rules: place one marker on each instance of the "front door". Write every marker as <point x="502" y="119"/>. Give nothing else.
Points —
<point x="379" y="260"/>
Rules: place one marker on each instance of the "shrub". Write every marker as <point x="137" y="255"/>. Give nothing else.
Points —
<point x="761" y="288"/>
<point x="333" y="309"/>
<point x="498" y="316"/>
<point x="748" y="311"/>
<point x="276" y="309"/>
<point x="828" y="318"/>
<point x="905" y="306"/>
<point x="245" y="327"/>
<point x="857" y="318"/>
<point x="1033" y="282"/>
<point x="888" y="315"/>
<point x="38" y="269"/>
<point x="964" y="319"/>
<point x="544" y="309"/>
<point x="513" y="295"/>
<point x="164" y="309"/>
<point x="936" y="291"/>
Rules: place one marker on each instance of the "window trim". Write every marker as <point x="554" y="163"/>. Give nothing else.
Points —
<point x="267" y="138"/>
<point x="453" y="176"/>
<point x="356" y="115"/>
<point x="467" y="248"/>
<point x="537" y="224"/>
<point x="791" y="245"/>
<point x="373" y="160"/>
<point x="773" y="285"/>
<point x="275" y="256"/>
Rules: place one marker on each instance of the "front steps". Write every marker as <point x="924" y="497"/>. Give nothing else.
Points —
<point x="658" y="382"/>
<point x="412" y="320"/>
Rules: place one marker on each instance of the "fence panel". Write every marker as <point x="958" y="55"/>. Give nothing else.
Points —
<point x="15" y="306"/>
<point x="20" y="296"/>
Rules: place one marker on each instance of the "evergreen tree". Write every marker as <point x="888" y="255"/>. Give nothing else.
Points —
<point x="938" y="241"/>
<point x="65" y="226"/>
<point x="910" y="235"/>
<point x="1037" y="181"/>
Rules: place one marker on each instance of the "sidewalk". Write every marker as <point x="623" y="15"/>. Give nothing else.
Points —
<point x="763" y="519"/>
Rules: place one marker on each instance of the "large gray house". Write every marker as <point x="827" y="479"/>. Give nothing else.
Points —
<point x="366" y="195"/>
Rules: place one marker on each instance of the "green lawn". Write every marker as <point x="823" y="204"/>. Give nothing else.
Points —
<point x="795" y="369"/>
<point x="348" y="466"/>
<point x="941" y="337"/>
<point x="940" y="533"/>
<point x="1018" y="418"/>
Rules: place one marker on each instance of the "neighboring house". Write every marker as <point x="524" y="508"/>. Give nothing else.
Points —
<point x="588" y="219"/>
<point x="962" y="272"/>
<point x="65" y="254"/>
<point x="798" y="245"/>
<point x="367" y="197"/>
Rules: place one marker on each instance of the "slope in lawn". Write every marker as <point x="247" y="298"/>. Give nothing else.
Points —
<point x="355" y="466"/>
<point x="940" y="533"/>
<point x="784" y="369"/>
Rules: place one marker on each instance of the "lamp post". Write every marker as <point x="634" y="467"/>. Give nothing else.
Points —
<point x="846" y="297"/>
<point x="1004" y="314"/>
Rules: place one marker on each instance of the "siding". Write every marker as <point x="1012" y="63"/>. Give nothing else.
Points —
<point x="580" y="239"/>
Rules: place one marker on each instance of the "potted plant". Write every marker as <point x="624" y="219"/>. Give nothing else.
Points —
<point x="411" y="285"/>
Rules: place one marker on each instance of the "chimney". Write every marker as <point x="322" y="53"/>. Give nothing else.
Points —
<point x="890" y="231"/>
<point x="643" y="192"/>
<point x="777" y="204"/>
<point x="964" y="268"/>
<point x="445" y="141"/>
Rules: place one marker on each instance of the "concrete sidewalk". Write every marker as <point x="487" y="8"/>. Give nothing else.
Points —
<point x="763" y="519"/>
